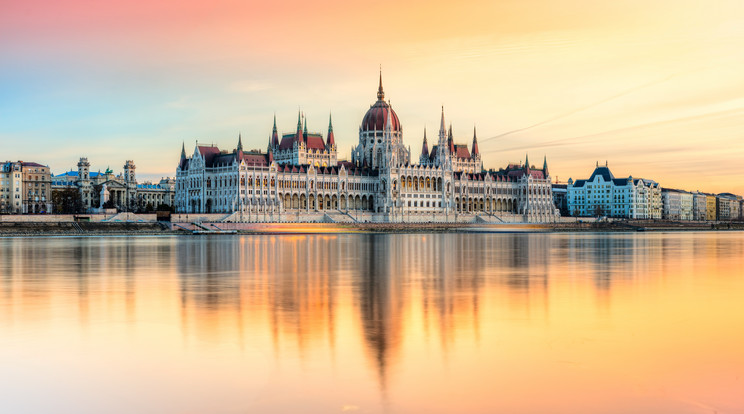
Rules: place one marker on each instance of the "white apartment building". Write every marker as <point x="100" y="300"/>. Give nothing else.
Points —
<point x="678" y="204"/>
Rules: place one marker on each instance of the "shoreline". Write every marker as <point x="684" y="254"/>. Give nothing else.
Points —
<point x="84" y="229"/>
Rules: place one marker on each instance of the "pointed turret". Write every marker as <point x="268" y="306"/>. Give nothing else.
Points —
<point x="450" y="141"/>
<point x="298" y="134"/>
<point x="545" y="166"/>
<point x="442" y="130"/>
<point x="183" y="150"/>
<point x="380" y="92"/>
<point x="425" y="147"/>
<point x="331" y="141"/>
<point x="240" y="144"/>
<point x="304" y="132"/>
<point x="475" y="151"/>
<point x="527" y="162"/>
<point x="274" y="134"/>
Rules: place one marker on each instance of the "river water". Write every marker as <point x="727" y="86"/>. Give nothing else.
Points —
<point x="374" y="323"/>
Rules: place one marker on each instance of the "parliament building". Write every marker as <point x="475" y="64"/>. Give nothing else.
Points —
<point x="300" y="178"/>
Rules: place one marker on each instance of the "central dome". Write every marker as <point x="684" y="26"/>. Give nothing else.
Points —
<point x="376" y="117"/>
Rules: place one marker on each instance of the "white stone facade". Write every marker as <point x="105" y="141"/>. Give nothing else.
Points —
<point x="126" y="194"/>
<point x="380" y="183"/>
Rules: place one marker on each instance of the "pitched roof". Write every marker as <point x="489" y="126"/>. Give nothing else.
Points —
<point x="603" y="172"/>
<point x="461" y="151"/>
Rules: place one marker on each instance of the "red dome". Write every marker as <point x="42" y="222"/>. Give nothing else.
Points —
<point x="377" y="117"/>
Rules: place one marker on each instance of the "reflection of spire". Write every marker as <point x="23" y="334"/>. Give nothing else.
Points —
<point x="380" y="319"/>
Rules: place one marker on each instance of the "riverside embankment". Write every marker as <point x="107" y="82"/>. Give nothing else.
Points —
<point x="95" y="226"/>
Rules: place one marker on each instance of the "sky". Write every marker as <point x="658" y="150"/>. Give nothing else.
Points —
<point x="653" y="87"/>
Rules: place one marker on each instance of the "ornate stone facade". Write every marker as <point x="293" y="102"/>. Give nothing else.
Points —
<point x="301" y="174"/>
<point x="125" y="193"/>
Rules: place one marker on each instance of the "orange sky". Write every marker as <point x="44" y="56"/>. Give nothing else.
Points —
<point x="653" y="86"/>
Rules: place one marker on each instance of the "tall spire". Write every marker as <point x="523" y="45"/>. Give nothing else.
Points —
<point x="380" y="92"/>
<point x="331" y="141"/>
<point x="450" y="141"/>
<point x="240" y="143"/>
<point x="545" y="166"/>
<point x="442" y="129"/>
<point x="475" y="151"/>
<point x="304" y="132"/>
<point x="274" y="135"/>
<point x="527" y="162"/>
<point x="298" y="134"/>
<point x="183" y="150"/>
<point x="425" y="147"/>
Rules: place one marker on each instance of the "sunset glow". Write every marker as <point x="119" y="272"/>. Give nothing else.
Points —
<point x="654" y="86"/>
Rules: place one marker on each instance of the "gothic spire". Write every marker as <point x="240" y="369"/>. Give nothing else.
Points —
<point x="545" y="166"/>
<point x="450" y="141"/>
<point x="425" y="147"/>
<point x="183" y="150"/>
<point x="240" y="143"/>
<point x="442" y="129"/>
<point x="527" y="162"/>
<point x="274" y="134"/>
<point x="380" y="92"/>
<point x="304" y="132"/>
<point x="331" y="141"/>
<point x="475" y="151"/>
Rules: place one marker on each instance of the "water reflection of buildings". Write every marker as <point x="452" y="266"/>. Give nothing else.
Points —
<point x="304" y="293"/>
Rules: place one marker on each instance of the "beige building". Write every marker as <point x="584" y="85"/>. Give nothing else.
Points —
<point x="729" y="207"/>
<point x="25" y="188"/>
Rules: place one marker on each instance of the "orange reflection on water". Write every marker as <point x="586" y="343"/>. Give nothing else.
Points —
<point x="374" y="323"/>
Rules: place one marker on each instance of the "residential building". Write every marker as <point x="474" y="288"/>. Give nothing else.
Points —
<point x="677" y="204"/>
<point x="25" y="188"/>
<point x="699" y="206"/>
<point x="728" y="207"/>
<point x="604" y="195"/>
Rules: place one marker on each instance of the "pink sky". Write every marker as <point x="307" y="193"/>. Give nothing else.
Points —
<point x="654" y="86"/>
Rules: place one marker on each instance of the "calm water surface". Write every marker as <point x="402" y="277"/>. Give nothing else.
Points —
<point x="440" y="323"/>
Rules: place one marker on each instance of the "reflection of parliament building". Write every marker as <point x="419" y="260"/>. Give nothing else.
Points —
<point x="300" y="175"/>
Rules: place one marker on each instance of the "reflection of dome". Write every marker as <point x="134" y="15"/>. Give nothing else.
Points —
<point x="376" y="118"/>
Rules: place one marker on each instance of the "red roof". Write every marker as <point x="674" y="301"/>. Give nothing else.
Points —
<point x="315" y="141"/>
<point x="377" y="116"/>
<point x="462" y="151"/>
